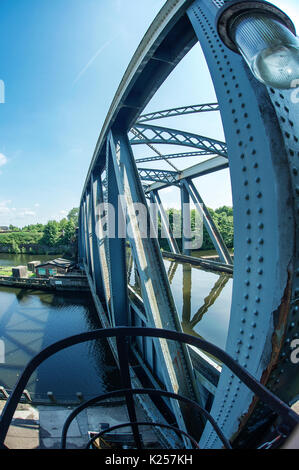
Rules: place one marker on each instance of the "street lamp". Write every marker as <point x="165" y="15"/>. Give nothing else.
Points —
<point x="266" y="38"/>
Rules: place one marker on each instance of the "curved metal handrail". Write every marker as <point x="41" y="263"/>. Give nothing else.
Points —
<point x="289" y="416"/>
<point x="140" y="391"/>
<point x="143" y="423"/>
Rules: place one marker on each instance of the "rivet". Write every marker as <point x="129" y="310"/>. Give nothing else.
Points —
<point x="261" y="225"/>
<point x="261" y="259"/>
<point x="257" y="299"/>
<point x="246" y="296"/>
<point x="258" y="179"/>
<point x="260" y="272"/>
<point x="251" y="336"/>
<point x="297" y="189"/>
<point x="247" y="197"/>
<point x="248" y="226"/>
<point x="259" y="286"/>
<point x="244" y="308"/>
<point x="253" y="325"/>
<point x="242" y="332"/>
<point x="248" y="212"/>
<point x="243" y="320"/>
<point x="248" y="240"/>
<point x="260" y="210"/>
<point x="261" y="241"/>
<point x="255" y="313"/>
<point x="248" y="257"/>
<point x="247" y="282"/>
<point x="248" y="270"/>
<point x="259" y="195"/>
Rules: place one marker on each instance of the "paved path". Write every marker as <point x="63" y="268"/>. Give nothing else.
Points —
<point x="40" y="427"/>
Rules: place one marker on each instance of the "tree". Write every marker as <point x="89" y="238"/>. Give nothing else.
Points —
<point x="51" y="233"/>
<point x="69" y="232"/>
<point x="73" y="215"/>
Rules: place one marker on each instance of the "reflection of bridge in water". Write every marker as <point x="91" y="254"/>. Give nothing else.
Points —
<point x="260" y="126"/>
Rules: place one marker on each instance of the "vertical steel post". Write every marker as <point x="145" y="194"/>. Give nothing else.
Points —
<point x="98" y="277"/>
<point x="186" y="220"/>
<point x="165" y="223"/>
<point x="210" y="225"/>
<point x="116" y="247"/>
<point x="156" y="293"/>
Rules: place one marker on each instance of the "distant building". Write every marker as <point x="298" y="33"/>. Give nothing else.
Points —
<point x="3" y="228"/>
<point x="20" y="272"/>
<point x="32" y="265"/>
<point x="54" y="267"/>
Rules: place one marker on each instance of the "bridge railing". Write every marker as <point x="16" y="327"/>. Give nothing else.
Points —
<point x="288" y="418"/>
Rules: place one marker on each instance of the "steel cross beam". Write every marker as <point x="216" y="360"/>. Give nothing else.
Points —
<point x="262" y="142"/>
<point x="202" y="168"/>
<point x="161" y="176"/>
<point x="199" y="153"/>
<point x="196" y="108"/>
<point x="136" y="133"/>
<point x="148" y="134"/>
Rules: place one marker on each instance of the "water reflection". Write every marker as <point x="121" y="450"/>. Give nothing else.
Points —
<point x="202" y="297"/>
<point x="32" y="320"/>
<point x="188" y="323"/>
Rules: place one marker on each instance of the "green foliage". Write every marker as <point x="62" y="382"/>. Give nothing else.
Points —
<point x="51" y="233"/>
<point x="73" y="215"/>
<point x="69" y="232"/>
<point x="223" y="218"/>
<point x="13" y="228"/>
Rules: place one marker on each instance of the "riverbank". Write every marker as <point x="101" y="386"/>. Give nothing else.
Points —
<point x="70" y="282"/>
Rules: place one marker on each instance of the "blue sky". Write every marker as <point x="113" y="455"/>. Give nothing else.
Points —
<point x="61" y="62"/>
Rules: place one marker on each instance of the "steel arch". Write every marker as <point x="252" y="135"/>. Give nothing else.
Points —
<point x="149" y="134"/>
<point x="181" y="111"/>
<point x="261" y="130"/>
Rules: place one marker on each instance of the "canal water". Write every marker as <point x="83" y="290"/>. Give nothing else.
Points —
<point x="202" y="298"/>
<point x="31" y="320"/>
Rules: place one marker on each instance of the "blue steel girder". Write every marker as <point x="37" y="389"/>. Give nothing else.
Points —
<point x="148" y="134"/>
<point x="182" y="110"/>
<point x="161" y="176"/>
<point x="261" y="131"/>
<point x="199" y="153"/>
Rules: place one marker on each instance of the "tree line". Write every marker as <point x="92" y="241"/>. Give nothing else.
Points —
<point x="53" y="234"/>
<point x="223" y="218"/>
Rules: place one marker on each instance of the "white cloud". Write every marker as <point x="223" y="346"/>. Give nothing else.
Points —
<point x="36" y="204"/>
<point x="3" y="159"/>
<point x="25" y="213"/>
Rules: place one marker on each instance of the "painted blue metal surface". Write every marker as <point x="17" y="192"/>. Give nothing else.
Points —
<point x="261" y="131"/>
<point x="148" y="134"/>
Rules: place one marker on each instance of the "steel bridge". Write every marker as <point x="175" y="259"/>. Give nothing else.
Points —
<point x="261" y="152"/>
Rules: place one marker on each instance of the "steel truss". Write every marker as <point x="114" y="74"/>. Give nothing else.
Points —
<point x="262" y="143"/>
<point x="181" y="111"/>
<point x="148" y="134"/>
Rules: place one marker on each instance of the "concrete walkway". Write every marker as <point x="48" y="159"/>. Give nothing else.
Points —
<point x="41" y="427"/>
